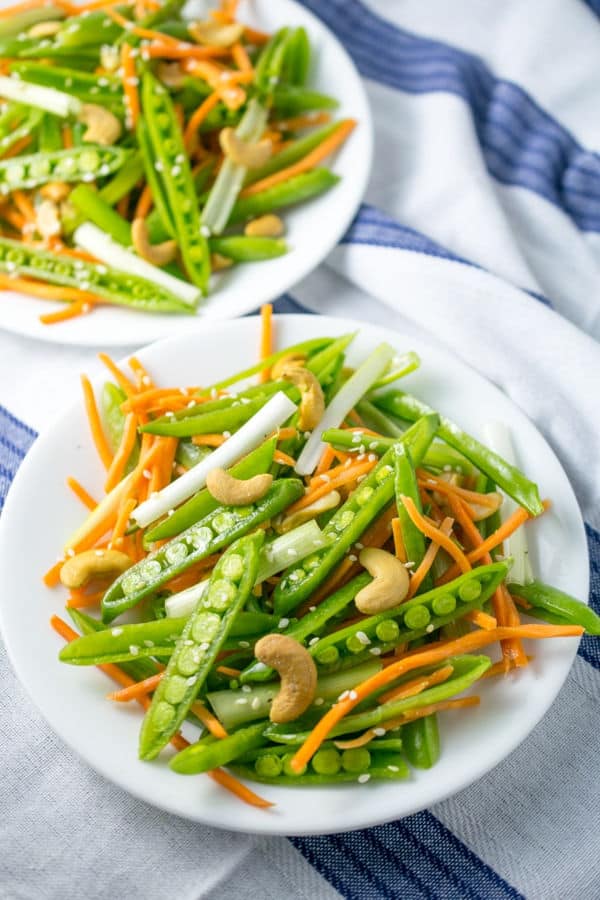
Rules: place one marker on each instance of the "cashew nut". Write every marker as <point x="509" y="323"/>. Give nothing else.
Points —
<point x="293" y="360"/>
<point x="218" y="262"/>
<point x="157" y="254"/>
<point x="312" y="402"/>
<point x="103" y="127"/>
<point x="44" y="29"/>
<point x="244" y="153"/>
<point x="231" y="491"/>
<point x="215" y="33"/>
<point x="57" y="191"/>
<point x="390" y="582"/>
<point x="269" y="225"/>
<point x="297" y="671"/>
<point x="47" y="220"/>
<point x="171" y="74"/>
<point x="82" y="567"/>
<point x="482" y="512"/>
<point x="329" y="501"/>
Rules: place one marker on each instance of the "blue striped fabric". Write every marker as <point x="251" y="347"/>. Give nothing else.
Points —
<point x="521" y="143"/>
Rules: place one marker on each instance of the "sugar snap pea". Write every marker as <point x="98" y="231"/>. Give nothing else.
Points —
<point x="294" y="151"/>
<point x="222" y="419"/>
<point x="438" y="456"/>
<point x="326" y="767"/>
<point x="157" y="186"/>
<point x="421" y="742"/>
<point x="240" y="248"/>
<point x="294" y="190"/>
<point x="349" y="521"/>
<point x="201" y="639"/>
<point x="290" y="100"/>
<point x="406" y="485"/>
<point x="137" y="669"/>
<point x="505" y="475"/>
<point x="175" y="175"/>
<point x="213" y="532"/>
<point x="201" y="504"/>
<point x="113" y="286"/>
<point x="85" y="163"/>
<point x="206" y="755"/>
<point x="555" y="606"/>
<point x="94" y="209"/>
<point x="103" y="90"/>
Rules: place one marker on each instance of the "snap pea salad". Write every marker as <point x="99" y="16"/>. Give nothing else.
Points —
<point x="143" y="151"/>
<point x="294" y="570"/>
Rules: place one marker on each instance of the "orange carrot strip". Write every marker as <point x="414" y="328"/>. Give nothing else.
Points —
<point x="68" y="312"/>
<point x="308" y="162"/>
<point x="286" y="434"/>
<point x="45" y="291"/>
<point x="93" y="415"/>
<point x="130" y="81"/>
<point x="502" y="668"/>
<point x="230" y="783"/>
<point x="208" y="440"/>
<point x="416" y="579"/>
<point x="266" y="338"/>
<point x="284" y="459"/>
<point x="142" y="377"/>
<point x="123" y="381"/>
<point x="121" y="524"/>
<point x="137" y="689"/>
<point x="198" y="117"/>
<point x="241" y="58"/>
<point x="436" y="534"/>
<point x="24" y="205"/>
<point x="349" y="474"/>
<point x="81" y="493"/>
<point x="144" y="204"/>
<point x="165" y="49"/>
<point x="17" y="147"/>
<point x="117" y="466"/>
<point x="229" y="670"/>
<point x="26" y="5"/>
<point x="52" y="577"/>
<point x="481" y="619"/>
<point x="417" y="685"/>
<point x="399" y="548"/>
<point x="209" y="720"/>
<point x="432" y="482"/>
<point x="253" y="36"/>
<point x="429" y="656"/>
<point x="79" y="599"/>
<point x="296" y="123"/>
<point x="326" y="461"/>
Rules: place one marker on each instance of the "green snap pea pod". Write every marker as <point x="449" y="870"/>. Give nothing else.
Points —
<point x="257" y="462"/>
<point x="175" y="175"/>
<point x="213" y="532"/>
<point x="349" y="521"/>
<point x="168" y="10"/>
<point x="270" y="63"/>
<point x="424" y="614"/>
<point x="295" y="190"/>
<point x="238" y="707"/>
<point x="320" y="363"/>
<point x="291" y="100"/>
<point x="103" y="90"/>
<point x="311" y="624"/>
<point x="467" y="670"/>
<point x="297" y="58"/>
<point x="28" y="126"/>
<point x="114" y="420"/>
<point x="195" y="652"/>
<point x="257" y="391"/>
<point x="94" y="209"/>
<point x="208" y="423"/>
<point x="378" y="421"/>
<point x="89" y="30"/>
<point x="356" y="762"/>
<point x="84" y="163"/>
<point x="291" y="154"/>
<point x="555" y="606"/>
<point x="138" y="669"/>
<point x="126" y="178"/>
<point x="240" y="248"/>
<point x="19" y="21"/>
<point x="506" y="476"/>
<point x="406" y="485"/>
<point x="156" y="184"/>
<point x="439" y="456"/>
<point x="206" y="755"/>
<point x="327" y="767"/>
<point x="113" y="286"/>
<point x="50" y="135"/>
<point x="189" y="454"/>
<point x="421" y="742"/>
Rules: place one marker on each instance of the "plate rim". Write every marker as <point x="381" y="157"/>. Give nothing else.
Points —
<point x="265" y="825"/>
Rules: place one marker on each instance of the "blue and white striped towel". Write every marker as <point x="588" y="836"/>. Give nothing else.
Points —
<point x="481" y="229"/>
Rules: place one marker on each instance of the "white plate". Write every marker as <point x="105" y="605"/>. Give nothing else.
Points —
<point x="313" y="228"/>
<point x="40" y="513"/>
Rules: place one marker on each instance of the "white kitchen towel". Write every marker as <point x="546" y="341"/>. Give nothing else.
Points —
<point x="480" y="231"/>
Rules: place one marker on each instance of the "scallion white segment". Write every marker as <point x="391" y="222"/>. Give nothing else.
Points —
<point x="346" y="399"/>
<point x="273" y="414"/>
<point x="98" y="243"/>
<point x="56" y="102"/>
<point x="275" y="557"/>
<point x="498" y="438"/>
<point x="399" y="367"/>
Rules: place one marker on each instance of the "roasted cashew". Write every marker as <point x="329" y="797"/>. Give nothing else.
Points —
<point x="390" y="582"/>
<point x="269" y="225"/>
<point x="82" y="567"/>
<point x="244" y="153"/>
<point x="47" y="219"/>
<point x="293" y="360"/>
<point x="312" y="402"/>
<point x="215" y="33"/>
<point x="329" y="501"/>
<point x="103" y="127"/>
<point x="218" y="262"/>
<point x="171" y="74"/>
<point x="57" y="191"/>
<point x="231" y="491"/>
<point x="482" y="512"/>
<point x="297" y="671"/>
<point x="44" y="30"/>
<point x="157" y="254"/>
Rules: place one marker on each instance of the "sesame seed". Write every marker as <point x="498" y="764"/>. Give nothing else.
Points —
<point x="116" y="631"/>
<point x="319" y="701"/>
<point x="243" y="644"/>
<point x="134" y="649"/>
<point x="429" y="629"/>
<point x="283" y="623"/>
<point x="379" y="731"/>
<point x="376" y="651"/>
<point x="362" y="779"/>
<point x="361" y="478"/>
<point x="352" y="557"/>
<point x="226" y="434"/>
<point x="393" y="768"/>
<point x="313" y="641"/>
<point x="363" y="638"/>
<point x="147" y="474"/>
<point x="242" y="701"/>
<point x="311" y="608"/>
<point x="359" y="546"/>
<point x="70" y="552"/>
<point x="148" y="643"/>
<point x="171" y="512"/>
<point x="99" y="552"/>
<point x="246" y="688"/>
<point x="352" y="695"/>
<point x="255" y="703"/>
<point x="344" y="695"/>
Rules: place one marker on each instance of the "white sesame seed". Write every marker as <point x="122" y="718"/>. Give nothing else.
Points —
<point x="246" y="688"/>
<point x="344" y="695"/>
<point x="99" y="552"/>
<point x="313" y="641"/>
<point x="134" y="649"/>
<point x="311" y="608"/>
<point x="241" y="701"/>
<point x="362" y="779"/>
<point x="170" y="513"/>
<point x="376" y="651"/>
<point x="429" y="629"/>
<point x="226" y="434"/>
<point x="379" y="731"/>
<point x="363" y="638"/>
<point x="70" y="552"/>
<point x="393" y="768"/>
<point x="352" y="557"/>
<point x="255" y="703"/>
<point x="352" y="695"/>
<point x="359" y="546"/>
<point x="147" y="474"/>
<point x="319" y="701"/>
<point x="116" y="631"/>
<point x="283" y="623"/>
<point x="243" y="644"/>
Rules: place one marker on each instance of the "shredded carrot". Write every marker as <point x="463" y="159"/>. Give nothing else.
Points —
<point x="81" y="600"/>
<point x="17" y="147"/>
<point x="124" y="451"/>
<point x="208" y="440"/>
<point x="24" y="205"/>
<point x="52" y="577"/>
<point x="166" y="49"/>
<point x="481" y="619"/>
<point x="10" y="11"/>
<point x="348" y="475"/>
<point x="121" y="524"/>
<point x="286" y="434"/>
<point x="101" y="519"/>
<point x="308" y="162"/>
<point x="152" y="394"/>
<point x="241" y="58"/>
<point x="67" y="137"/>
<point x="326" y="461"/>
<point x="284" y="459"/>
<point x="399" y="548"/>
<point x="68" y="312"/>
<point x="416" y="579"/>
<point x="81" y="493"/>
<point x="93" y="415"/>
<point x="137" y="689"/>
<point x="68" y="634"/>
<point x="198" y="117"/>
<point x="230" y="783"/>
<point x="146" y="33"/>
<point x="416" y="685"/>
<point x="253" y="36"/>
<point x="143" y="379"/>
<point x="209" y="720"/>
<point x="432" y="482"/>
<point x="144" y="204"/>
<point x="130" y="82"/>
<point x="45" y="291"/>
<point x="502" y="668"/>
<point x="122" y="380"/>
<point x="297" y="123"/>
<point x="429" y="656"/>
<point x="123" y="206"/>
<point x="229" y="670"/>
<point x="436" y="534"/>
<point x="266" y="338"/>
